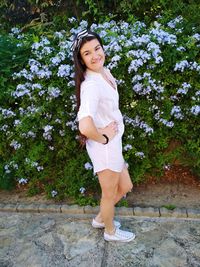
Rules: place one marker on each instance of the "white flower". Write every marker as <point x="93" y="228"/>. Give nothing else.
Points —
<point x="135" y="65"/>
<point x="58" y="120"/>
<point x="182" y="65"/>
<point x="17" y="122"/>
<point x="22" y="181"/>
<point x="72" y="124"/>
<point x="58" y="35"/>
<point x="54" y="92"/>
<point x="40" y="168"/>
<point x="127" y="165"/>
<point x="40" y="93"/>
<point x="176" y="112"/>
<point x="55" y="60"/>
<point x="44" y="73"/>
<point x="62" y="132"/>
<point x="197" y="93"/>
<point x="15" y="144"/>
<point x="48" y="128"/>
<point x="27" y="160"/>
<point x="15" y="166"/>
<point x="72" y="19"/>
<point x="82" y="190"/>
<point x="64" y="71"/>
<point x="138" y="123"/>
<point x="195" y="110"/>
<point x="15" y="30"/>
<point x="21" y="90"/>
<point x="34" y="164"/>
<point x="173" y="23"/>
<point x="28" y="134"/>
<point x="4" y="128"/>
<point x="54" y="193"/>
<point x="6" y="168"/>
<point x="196" y="36"/>
<point x="167" y="167"/>
<point x="163" y="37"/>
<point x="7" y="113"/>
<point x="36" y="86"/>
<point x="116" y="58"/>
<point x="140" y="155"/>
<point x="169" y="124"/>
<point x="181" y="48"/>
<point x="47" y="132"/>
<point x="127" y="147"/>
<point x="88" y="166"/>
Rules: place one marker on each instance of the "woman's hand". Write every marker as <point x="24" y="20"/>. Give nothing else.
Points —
<point x="110" y="130"/>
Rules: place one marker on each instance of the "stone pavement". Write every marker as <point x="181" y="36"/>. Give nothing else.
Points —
<point x="55" y="239"/>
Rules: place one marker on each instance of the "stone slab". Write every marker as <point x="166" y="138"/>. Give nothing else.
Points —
<point x="91" y="210"/>
<point x="177" y="212"/>
<point x="193" y="213"/>
<point x="2" y="206"/>
<point x="49" y="208"/>
<point x="28" y="207"/>
<point x="10" y="207"/>
<point x="72" y="209"/>
<point x="123" y="211"/>
<point x="147" y="212"/>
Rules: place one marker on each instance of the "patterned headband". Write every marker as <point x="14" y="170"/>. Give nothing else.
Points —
<point x="78" y="39"/>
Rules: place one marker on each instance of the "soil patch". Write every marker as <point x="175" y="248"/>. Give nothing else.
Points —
<point x="177" y="187"/>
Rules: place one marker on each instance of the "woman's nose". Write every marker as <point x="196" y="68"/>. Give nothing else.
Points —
<point x="95" y="55"/>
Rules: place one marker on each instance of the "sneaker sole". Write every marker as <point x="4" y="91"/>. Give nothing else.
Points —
<point x="101" y="227"/>
<point x="98" y="226"/>
<point x="123" y="241"/>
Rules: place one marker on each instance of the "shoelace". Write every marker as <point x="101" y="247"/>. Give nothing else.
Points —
<point x="122" y="233"/>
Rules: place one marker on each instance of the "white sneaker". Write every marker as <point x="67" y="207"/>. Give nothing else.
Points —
<point x="120" y="236"/>
<point x="96" y="224"/>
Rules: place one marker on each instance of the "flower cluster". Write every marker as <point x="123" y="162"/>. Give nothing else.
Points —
<point x="23" y="181"/>
<point x="47" y="132"/>
<point x="137" y="122"/>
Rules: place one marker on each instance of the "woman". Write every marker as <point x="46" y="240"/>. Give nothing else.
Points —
<point x="101" y="122"/>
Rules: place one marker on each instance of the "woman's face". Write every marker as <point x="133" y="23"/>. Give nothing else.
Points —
<point x="92" y="55"/>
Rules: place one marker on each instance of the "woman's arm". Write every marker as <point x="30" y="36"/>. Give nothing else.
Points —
<point x="88" y="128"/>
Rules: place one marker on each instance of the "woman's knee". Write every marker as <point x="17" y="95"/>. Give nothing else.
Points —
<point x="109" y="192"/>
<point x="109" y="182"/>
<point x="129" y="187"/>
<point x="125" y="182"/>
<point x="126" y="188"/>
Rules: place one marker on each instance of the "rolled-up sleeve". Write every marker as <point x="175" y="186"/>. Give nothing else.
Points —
<point x="90" y="96"/>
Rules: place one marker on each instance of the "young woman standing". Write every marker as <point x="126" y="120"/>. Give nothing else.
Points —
<point x="101" y="123"/>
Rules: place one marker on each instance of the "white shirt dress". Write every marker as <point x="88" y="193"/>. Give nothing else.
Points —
<point x="100" y="101"/>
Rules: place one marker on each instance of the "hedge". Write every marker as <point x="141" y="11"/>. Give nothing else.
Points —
<point x="157" y="70"/>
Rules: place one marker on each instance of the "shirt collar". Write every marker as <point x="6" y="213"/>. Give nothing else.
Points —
<point x="91" y="72"/>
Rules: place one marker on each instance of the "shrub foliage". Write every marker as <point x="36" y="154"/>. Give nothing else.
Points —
<point x="157" y="70"/>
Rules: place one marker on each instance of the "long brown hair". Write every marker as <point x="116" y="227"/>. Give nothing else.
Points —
<point x="80" y="69"/>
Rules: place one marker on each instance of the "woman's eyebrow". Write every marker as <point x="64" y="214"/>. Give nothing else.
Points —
<point x="86" y="51"/>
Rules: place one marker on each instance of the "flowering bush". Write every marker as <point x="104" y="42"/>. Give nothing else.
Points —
<point x="157" y="70"/>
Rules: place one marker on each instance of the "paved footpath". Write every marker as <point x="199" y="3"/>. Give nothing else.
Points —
<point x="29" y="239"/>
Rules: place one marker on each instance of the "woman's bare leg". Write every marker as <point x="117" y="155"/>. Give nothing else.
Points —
<point x="124" y="186"/>
<point x="109" y="181"/>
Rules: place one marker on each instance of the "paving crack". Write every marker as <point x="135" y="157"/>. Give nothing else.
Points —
<point x="105" y="255"/>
